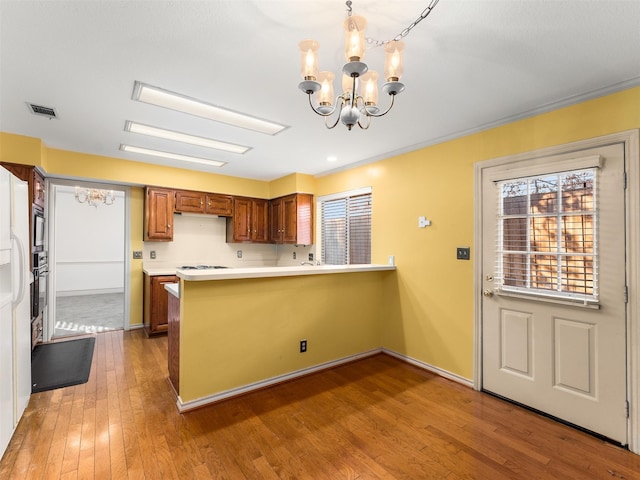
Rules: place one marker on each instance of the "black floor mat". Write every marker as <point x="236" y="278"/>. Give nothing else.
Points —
<point x="61" y="364"/>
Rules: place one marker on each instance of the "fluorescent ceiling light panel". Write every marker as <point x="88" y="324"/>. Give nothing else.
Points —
<point x="175" y="101"/>
<point x="172" y="156"/>
<point x="134" y="127"/>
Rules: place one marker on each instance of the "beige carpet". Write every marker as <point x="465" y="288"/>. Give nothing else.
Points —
<point x="83" y="314"/>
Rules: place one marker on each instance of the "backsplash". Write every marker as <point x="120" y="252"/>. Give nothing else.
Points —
<point x="201" y="239"/>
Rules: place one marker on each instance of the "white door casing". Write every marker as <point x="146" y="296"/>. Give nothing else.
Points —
<point x="567" y="360"/>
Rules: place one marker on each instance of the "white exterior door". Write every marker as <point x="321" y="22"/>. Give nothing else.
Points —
<point x="554" y="287"/>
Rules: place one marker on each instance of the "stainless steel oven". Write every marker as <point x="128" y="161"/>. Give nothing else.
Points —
<point x="39" y="233"/>
<point x="39" y="295"/>
<point x="40" y="283"/>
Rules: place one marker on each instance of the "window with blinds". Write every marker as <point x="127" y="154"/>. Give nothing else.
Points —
<point x="345" y="225"/>
<point x="547" y="241"/>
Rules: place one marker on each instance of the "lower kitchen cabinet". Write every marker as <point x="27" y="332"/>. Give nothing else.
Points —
<point x="173" y="354"/>
<point x="156" y="303"/>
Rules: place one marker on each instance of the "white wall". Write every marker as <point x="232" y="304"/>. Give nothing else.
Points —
<point x="89" y="245"/>
<point x="201" y="239"/>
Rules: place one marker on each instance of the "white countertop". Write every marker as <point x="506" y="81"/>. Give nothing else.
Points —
<point x="266" y="272"/>
<point x="173" y="289"/>
<point x="155" y="271"/>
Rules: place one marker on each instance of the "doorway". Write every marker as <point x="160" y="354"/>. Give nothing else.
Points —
<point x="88" y="263"/>
<point x="556" y="231"/>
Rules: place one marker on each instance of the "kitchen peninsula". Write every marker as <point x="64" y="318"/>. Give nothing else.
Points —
<point x="235" y="330"/>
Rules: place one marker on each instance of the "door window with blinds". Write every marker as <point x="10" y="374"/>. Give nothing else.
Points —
<point x="547" y="235"/>
<point x="345" y="227"/>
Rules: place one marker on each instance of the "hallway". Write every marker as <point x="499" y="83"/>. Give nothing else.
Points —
<point x="82" y="314"/>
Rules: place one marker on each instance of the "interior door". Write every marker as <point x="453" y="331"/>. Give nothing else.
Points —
<point x="554" y="287"/>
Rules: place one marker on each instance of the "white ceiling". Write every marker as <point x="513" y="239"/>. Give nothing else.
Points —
<point x="469" y="65"/>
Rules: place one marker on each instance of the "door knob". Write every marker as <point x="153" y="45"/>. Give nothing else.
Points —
<point x="487" y="293"/>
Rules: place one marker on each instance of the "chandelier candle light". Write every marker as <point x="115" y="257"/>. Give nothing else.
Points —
<point x="359" y="100"/>
<point x="94" y="196"/>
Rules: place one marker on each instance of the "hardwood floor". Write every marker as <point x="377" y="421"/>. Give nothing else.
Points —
<point x="374" y="418"/>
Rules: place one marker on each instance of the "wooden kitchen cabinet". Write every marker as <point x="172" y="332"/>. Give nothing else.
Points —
<point x="34" y="179"/>
<point x="291" y="219"/>
<point x="156" y="303"/>
<point x="217" y="204"/>
<point x="173" y="342"/>
<point x="158" y="214"/>
<point x="189" y="202"/>
<point x="250" y="221"/>
<point x="200" y="202"/>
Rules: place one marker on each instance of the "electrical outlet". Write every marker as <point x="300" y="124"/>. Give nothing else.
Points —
<point x="294" y="255"/>
<point x="137" y="254"/>
<point x="463" y="253"/>
<point x="311" y="257"/>
<point x="152" y="254"/>
<point x="239" y="254"/>
<point x="303" y="346"/>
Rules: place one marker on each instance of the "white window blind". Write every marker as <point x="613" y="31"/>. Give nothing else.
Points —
<point x="345" y="224"/>
<point x="547" y="235"/>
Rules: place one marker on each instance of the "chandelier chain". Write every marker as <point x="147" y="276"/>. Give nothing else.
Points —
<point x="403" y="33"/>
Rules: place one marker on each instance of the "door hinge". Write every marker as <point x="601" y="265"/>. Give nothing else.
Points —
<point x="626" y="294"/>
<point x="627" y="408"/>
<point x="624" y="180"/>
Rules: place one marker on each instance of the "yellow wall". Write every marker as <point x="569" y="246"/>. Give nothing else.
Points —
<point x="237" y="332"/>
<point x="136" y="223"/>
<point x="20" y="149"/>
<point x="296" y="182"/>
<point x="428" y="308"/>
<point x="73" y="164"/>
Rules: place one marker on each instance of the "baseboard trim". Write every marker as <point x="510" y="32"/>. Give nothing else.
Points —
<point x="77" y="293"/>
<point x="430" y="368"/>
<point x="204" y="401"/>
<point x="234" y="392"/>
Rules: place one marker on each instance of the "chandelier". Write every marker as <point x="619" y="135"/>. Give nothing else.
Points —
<point x="358" y="102"/>
<point x="95" y="196"/>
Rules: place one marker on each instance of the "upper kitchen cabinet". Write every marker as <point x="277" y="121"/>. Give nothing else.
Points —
<point x="250" y="221"/>
<point x="189" y="202"/>
<point x="34" y="179"/>
<point x="217" y="204"/>
<point x="158" y="214"/>
<point x="291" y="219"/>
<point x="199" y="202"/>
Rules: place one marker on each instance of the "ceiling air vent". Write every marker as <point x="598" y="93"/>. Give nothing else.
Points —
<point x="41" y="110"/>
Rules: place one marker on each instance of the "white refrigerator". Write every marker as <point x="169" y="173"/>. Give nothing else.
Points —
<point x="15" y="307"/>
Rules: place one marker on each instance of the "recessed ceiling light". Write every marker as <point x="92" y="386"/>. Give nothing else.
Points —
<point x="175" y="101"/>
<point x="134" y="127"/>
<point x="173" y="156"/>
<point x="332" y="158"/>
